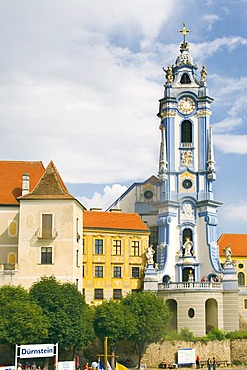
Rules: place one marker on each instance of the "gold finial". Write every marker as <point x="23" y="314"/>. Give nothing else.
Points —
<point x="184" y="31"/>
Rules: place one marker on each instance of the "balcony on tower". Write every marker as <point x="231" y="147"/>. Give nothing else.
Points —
<point x="46" y="233"/>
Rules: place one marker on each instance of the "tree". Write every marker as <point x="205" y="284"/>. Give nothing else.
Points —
<point x="21" y="320"/>
<point x="152" y="318"/>
<point x="113" y="320"/>
<point x="70" y="317"/>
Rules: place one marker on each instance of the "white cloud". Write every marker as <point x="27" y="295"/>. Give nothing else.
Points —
<point x="231" y="143"/>
<point x="236" y="211"/>
<point x="227" y="125"/>
<point x="110" y="194"/>
<point x="211" y="19"/>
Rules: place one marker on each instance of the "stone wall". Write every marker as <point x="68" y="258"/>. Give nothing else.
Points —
<point x="234" y="351"/>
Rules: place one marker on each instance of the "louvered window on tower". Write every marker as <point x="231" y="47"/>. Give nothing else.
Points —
<point x="186" y="132"/>
<point x="185" y="79"/>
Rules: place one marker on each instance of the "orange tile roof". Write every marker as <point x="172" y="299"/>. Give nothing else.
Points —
<point x="238" y="243"/>
<point x="50" y="186"/>
<point x="113" y="220"/>
<point x="11" y="178"/>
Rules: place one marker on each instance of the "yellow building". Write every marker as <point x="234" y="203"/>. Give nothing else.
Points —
<point x="114" y="246"/>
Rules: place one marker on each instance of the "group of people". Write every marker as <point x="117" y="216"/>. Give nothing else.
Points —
<point x="27" y="366"/>
<point x="211" y="364"/>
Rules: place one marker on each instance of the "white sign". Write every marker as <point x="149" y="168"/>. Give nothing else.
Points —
<point x="7" y="367"/>
<point x="36" y="350"/>
<point x="66" y="365"/>
<point x="186" y="356"/>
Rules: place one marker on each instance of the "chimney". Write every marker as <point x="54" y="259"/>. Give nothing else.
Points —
<point x="25" y="184"/>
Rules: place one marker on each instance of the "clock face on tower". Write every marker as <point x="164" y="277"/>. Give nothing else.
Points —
<point x="186" y="105"/>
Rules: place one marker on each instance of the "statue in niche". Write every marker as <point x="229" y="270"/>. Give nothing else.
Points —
<point x="187" y="247"/>
<point x="203" y="75"/>
<point x="149" y="255"/>
<point x="187" y="158"/>
<point x="187" y="213"/>
<point x="190" y="277"/>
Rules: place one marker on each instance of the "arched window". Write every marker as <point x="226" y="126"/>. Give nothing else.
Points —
<point x="187" y="233"/>
<point x="185" y="79"/>
<point x="186" y="132"/>
<point x="241" y="279"/>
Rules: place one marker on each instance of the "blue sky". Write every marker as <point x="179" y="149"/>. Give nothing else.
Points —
<point x="80" y="82"/>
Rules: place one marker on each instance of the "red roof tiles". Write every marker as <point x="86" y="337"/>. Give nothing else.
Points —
<point x="11" y="178"/>
<point x="238" y="243"/>
<point x="112" y="220"/>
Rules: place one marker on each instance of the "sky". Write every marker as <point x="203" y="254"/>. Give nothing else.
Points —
<point x="80" y="83"/>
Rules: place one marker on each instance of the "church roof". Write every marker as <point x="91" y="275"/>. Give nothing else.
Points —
<point x="152" y="179"/>
<point x="50" y="186"/>
<point x="113" y="220"/>
<point x="11" y="178"/>
<point x="237" y="242"/>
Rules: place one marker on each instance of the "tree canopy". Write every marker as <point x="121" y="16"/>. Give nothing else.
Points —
<point x="71" y="320"/>
<point x="21" y="320"/>
<point x="152" y="318"/>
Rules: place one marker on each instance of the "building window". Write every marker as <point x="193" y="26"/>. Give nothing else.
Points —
<point x="135" y="272"/>
<point x="98" y="246"/>
<point x="185" y="79"/>
<point x="83" y="246"/>
<point x="98" y="271"/>
<point x="83" y="271"/>
<point x="240" y="266"/>
<point x="78" y="236"/>
<point x="191" y="313"/>
<point x="135" y="248"/>
<point x="98" y="294"/>
<point x="77" y="258"/>
<point x="46" y="255"/>
<point x="77" y="283"/>
<point x="245" y="304"/>
<point x="241" y="279"/>
<point x="46" y="226"/>
<point x="117" y="293"/>
<point x="117" y="271"/>
<point x="116" y="248"/>
<point x="133" y="291"/>
<point x="154" y="236"/>
<point x="186" y="132"/>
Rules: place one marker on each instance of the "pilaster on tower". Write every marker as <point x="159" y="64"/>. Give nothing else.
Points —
<point x="163" y="161"/>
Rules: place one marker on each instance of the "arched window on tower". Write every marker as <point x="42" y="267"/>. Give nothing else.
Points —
<point x="241" y="279"/>
<point x="186" y="132"/>
<point x="185" y="79"/>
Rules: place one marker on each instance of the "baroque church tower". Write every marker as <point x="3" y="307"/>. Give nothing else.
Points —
<point x="187" y="212"/>
<point x="180" y="209"/>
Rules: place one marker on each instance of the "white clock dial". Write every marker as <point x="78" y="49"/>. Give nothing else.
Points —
<point x="186" y="105"/>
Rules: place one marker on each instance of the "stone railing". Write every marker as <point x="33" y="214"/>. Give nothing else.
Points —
<point x="190" y="285"/>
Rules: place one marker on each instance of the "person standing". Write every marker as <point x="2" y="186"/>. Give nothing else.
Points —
<point x="209" y="364"/>
<point x="214" y="363"/>
<point x="197" y="362"/>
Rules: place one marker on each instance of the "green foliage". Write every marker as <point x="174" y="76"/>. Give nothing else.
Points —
<point x="21" y="320"/>
<point x="216" y="334"/>
<point x="70" y="318"/>
<point x="151" y="315"/>
<point x="113" y="320"/>
<point x="237" y="334"/>
<point x="184" y="334"/>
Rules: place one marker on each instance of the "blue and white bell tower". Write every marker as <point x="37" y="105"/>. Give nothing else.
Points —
<point x="187" y="213"/>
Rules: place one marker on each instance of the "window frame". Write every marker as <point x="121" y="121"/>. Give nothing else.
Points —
<point x="117" y="293"/>
<point x="135" y="248"/>
<point x="98" y="293"/>
<point x="117" y="247"/>
<point x="98" y="271"/>
<point x="46" y="256"/>
<point x="117" y="272"/>
<point x="134" y="270"/>
<point x="98" y="246"/>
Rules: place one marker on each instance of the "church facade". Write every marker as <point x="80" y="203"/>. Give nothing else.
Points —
<point x="181" y="211"/>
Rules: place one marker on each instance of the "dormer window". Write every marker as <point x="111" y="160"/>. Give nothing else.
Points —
<point x="185" y="79"/>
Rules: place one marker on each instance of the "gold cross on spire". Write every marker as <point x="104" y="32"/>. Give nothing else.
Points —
<point x="184" y="31"/>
